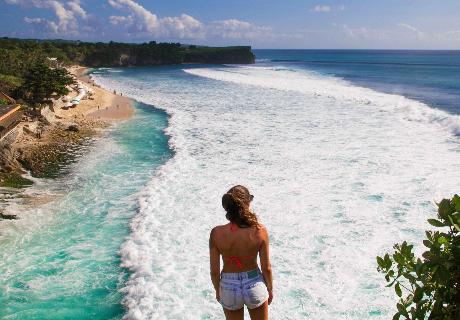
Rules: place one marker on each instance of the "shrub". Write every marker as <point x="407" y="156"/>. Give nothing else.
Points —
<point x="428" y="287"/>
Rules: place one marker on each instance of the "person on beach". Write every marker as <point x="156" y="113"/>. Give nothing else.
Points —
<point x="239" y="242"/>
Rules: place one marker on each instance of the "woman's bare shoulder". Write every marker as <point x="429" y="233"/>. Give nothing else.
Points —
<point x="262" y="227"/>
<point x="262" y="230"/>
<point x="217" y="229"/>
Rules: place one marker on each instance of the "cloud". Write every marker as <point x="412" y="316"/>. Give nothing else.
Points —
<point x="34" y="20"/>
<point x="453" y="36"/>
<point x="321" y="8"/>
<point x="413" y="29"/>
<point x="49" y="25"/>
<point x="237" y="29"/>
<point x="136" y="21"/>
<point x="361" y="32"/>
<point x="76" y="8"/>
<point x="358" y="34"/>
<point x="183" y="27"/>
<point x="67" y="21"/>
<point x="121" y="20"/>
<point x="66" y="15"/>
<point x="143" y="22"/>
<point x="327" y="8"/>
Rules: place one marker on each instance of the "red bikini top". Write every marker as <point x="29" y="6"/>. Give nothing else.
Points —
<point x="235" y="259"/>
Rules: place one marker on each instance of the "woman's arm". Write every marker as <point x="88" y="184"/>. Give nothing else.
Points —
<point x="214" y="262"/>
<point x="265" y="263"/>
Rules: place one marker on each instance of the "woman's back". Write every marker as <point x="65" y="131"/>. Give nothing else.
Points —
<point x="239" y="247"/>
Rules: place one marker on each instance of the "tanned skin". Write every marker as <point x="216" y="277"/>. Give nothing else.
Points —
<point x="225" y="241"/>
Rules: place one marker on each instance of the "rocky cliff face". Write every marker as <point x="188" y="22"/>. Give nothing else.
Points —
<point x="239" y="55"/>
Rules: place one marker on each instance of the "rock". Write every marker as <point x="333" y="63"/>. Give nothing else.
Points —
<point x="27" y="130"/>
<point x="8" y="216"/>
<point x="44" y="121"/>
<point x="72" y="128"/>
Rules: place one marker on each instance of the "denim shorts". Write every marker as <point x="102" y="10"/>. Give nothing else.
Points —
<point x="242" y="288"/>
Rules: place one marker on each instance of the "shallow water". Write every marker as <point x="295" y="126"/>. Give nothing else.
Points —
<point x="60" y="261"/>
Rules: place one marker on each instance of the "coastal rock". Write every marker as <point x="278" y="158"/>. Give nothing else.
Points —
<point x="73" y="128"/>
<point x="8" y="216"/>
<point x="27" y="130"/>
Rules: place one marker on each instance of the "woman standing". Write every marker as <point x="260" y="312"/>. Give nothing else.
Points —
<point x="239" y="242"/>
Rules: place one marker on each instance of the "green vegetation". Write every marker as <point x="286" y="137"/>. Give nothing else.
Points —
<point x="428" y="287"/>
<point x="219" y="55"/>
<point x="9" y="83"/>
<point x="14" y="180"/>
<point x="42" y="82"/>
<point x="17" y="55"/>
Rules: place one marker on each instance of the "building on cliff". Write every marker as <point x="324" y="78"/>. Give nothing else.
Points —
<point x="10" y="114"/>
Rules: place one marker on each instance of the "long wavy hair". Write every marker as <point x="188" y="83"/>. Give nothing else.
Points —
<point x="236" y="203"/>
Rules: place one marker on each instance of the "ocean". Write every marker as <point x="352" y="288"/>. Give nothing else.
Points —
<point x="346" y="152"/>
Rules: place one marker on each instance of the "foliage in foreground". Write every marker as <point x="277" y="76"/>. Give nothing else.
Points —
<point x="428" y="287"/>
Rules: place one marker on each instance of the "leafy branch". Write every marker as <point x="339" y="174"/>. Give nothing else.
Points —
<point x="428" y="287"/>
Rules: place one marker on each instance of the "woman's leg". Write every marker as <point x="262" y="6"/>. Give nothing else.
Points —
<point x="234" y="314"/>
<point x="259" y="313"/>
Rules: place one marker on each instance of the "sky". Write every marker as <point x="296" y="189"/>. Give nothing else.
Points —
<point x="290" y="24"/>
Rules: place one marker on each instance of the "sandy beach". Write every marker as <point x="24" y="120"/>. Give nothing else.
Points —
<point x="104" y="105"/>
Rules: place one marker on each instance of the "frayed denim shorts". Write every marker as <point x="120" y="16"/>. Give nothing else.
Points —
<point x="242" y="288"/>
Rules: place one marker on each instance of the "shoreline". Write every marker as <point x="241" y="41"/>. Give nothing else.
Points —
<point x="105" y="105"/>
<point x="43" y="148"/>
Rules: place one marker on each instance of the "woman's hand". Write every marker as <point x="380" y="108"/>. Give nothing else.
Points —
<point x="270" y="297"/>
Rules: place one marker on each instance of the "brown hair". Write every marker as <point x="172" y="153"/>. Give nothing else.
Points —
<point x="236" y="204"/>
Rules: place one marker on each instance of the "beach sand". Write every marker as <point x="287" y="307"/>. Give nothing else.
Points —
<point x="105" y="104"/>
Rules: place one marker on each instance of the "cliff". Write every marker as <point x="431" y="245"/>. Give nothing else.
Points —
<point x="15" y="53"/>
<point x="122" y="55"/>
<point x="240" y="55"/>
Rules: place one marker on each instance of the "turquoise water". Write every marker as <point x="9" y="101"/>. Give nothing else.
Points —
<point x="60" y="261"/>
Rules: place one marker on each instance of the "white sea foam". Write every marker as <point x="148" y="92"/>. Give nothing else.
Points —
<point x="334" y="88"/>
<point x="339" y="174"/>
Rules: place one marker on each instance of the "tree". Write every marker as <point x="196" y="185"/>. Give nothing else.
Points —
<point x="42" y="82"/>
<point x="431" y="284"/>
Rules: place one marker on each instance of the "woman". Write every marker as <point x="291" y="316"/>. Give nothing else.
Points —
<point x="239" y="242"/>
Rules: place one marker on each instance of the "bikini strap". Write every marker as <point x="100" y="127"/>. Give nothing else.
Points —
<point x="237" y="260"/>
